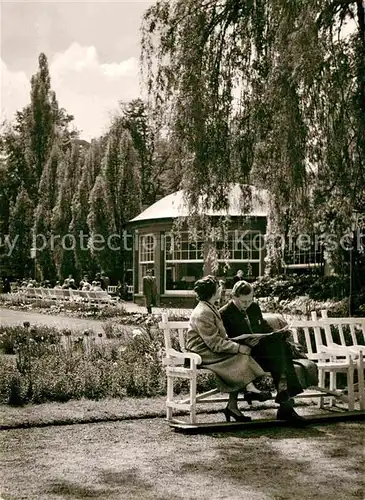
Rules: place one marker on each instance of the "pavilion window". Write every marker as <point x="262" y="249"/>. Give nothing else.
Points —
<point x="305" y="254"/>
<point x="184" y="261"/>
<point x="184" y="258"/>
<point x="147" y="244"/>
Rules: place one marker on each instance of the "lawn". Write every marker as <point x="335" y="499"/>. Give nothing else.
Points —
<point x="145" y="459"/>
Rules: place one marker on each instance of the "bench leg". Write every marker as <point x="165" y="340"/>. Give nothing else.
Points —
<point x="350" y="386"/>
<point x="170" y="397"/>
<point x="321" y="379"/>
<point x="360" y="377"/>
<point x="193" y="399"/>
<point x="333" y="385"/>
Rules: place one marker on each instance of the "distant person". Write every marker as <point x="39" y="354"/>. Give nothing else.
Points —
<point x="84" y="280"/>
<point x="95" y="287"/>
<point x="6" y="286"/>
<point x="123" y="290"/>
<point x="238" y="277"/>
<point x="99" y="279"/>
<point x="104" y="281"/>
<point x="85" y="285"/>
<point x="72" y="284"/>
<point x="98" y="287"/>
<point x="58" y="285"/>
<point x="65" y="285"/>
<point x="149" y="290"/>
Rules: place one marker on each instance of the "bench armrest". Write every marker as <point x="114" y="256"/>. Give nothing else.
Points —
<point x="336" y="350"/>
<point x="174" y="357"/>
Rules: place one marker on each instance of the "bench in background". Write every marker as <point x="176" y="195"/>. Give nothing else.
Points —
<point x="67" y="294"/>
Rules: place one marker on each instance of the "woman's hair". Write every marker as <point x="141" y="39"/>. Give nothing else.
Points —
<point x="241" y="288"/>
<point x="206" y="287"/>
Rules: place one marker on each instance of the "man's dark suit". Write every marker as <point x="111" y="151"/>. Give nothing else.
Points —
<point x="273" y="353"/>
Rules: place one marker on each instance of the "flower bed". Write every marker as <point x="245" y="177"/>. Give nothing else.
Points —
<point x="75" y="309"/>
<point x="303" y="306"/>
<point x="116" y="364"/>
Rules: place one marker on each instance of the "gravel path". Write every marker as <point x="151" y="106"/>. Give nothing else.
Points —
<point x="14" y="317"/>
<point x="145" y="459"/>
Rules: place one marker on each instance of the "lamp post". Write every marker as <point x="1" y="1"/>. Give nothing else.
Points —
<point x="354" y="222"/>
<point x="33" y="255"/>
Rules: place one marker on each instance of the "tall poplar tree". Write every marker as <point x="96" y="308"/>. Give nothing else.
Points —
<point x="90" y="169"/>
<point x="102" y="226"/>
<point x="47" y="196"/>
<point x="39" y="123"/>
<point x="39" y="133"/>
<point x="20" y="233"/>
<point x="65" y="244"/>
<point x="137" y="121"/>
<point x="115" y="198"/>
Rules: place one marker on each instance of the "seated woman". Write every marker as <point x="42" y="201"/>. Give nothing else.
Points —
<point x="243" y="316"/>
<point x="232" y="364"/>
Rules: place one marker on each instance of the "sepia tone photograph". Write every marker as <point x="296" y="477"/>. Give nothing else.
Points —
<point x="182" y="249"/>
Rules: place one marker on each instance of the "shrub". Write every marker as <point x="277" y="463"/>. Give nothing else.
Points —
<point x="290" y="286"/>
<point x="113" y="331"/>
<point x="13" y="336"/>
<point x="12" y="384"/>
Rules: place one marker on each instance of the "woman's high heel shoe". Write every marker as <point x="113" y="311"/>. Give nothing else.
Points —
<point x="239" y="418"/>
<point x="257" y="396"/>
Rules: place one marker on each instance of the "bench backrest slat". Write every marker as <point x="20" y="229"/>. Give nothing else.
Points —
<point x="308" y="341"/>
<point x="342" y="336"/>
<point x="312" y="332"/>
<point x="167" y="337"/>
<point x="353" y="334"/>
<point x="181" y="333"/>
<point x="355" y="325"/>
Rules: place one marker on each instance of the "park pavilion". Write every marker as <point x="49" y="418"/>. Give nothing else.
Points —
<point x="178" y="260"/>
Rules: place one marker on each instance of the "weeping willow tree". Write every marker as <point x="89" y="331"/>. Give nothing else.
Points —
<point x="264" y="92"/>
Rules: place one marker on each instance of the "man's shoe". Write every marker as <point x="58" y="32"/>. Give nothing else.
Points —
<point x="257" y="396"/>
<point x="291" y="416"/>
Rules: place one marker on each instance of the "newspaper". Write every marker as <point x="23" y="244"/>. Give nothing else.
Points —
<point x="246" y="337"/>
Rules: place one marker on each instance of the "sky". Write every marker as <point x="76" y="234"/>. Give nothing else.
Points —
<point x="93" y="50"/>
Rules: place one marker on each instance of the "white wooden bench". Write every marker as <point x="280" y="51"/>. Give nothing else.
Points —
<point x="180" y="363"/>
<point x="341" y="344"/>
<point x="62" y="294"/>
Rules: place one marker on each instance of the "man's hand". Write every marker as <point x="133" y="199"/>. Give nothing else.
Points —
<point x="252" y="342"/>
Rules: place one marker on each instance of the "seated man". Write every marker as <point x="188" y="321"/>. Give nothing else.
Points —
<point x="243" y="316"/>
